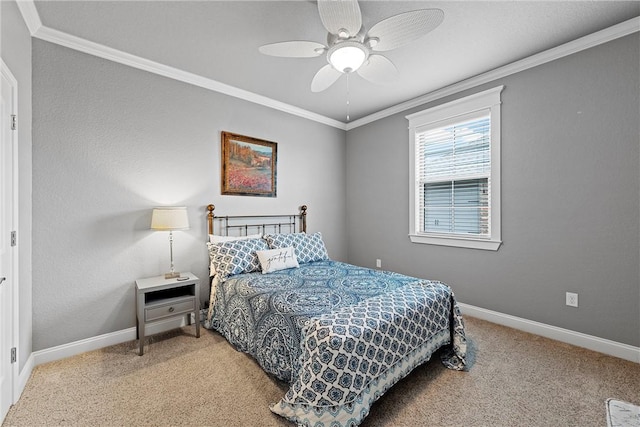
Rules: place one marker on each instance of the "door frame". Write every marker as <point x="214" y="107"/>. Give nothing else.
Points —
<point x="15" y="391"/>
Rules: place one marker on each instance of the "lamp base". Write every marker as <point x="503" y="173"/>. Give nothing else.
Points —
<point x="172" y="275"/>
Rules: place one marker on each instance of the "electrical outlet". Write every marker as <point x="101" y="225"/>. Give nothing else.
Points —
<point x="572" y="299"/>
<point x="378" y="263"/>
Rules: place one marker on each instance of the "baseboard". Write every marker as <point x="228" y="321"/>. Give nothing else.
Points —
<point x="612" y="348"/>
<point x="101" y="341"/>
<point x="601" y="345"/>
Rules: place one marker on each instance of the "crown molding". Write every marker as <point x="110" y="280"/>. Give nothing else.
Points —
<point x="30" y="15"/>
<point x="115" y="55"/>
<point x="608" y="34"/>
<point x="32" y="19"/>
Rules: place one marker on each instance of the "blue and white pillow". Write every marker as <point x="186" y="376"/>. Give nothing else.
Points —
<point x="235" y="257"/>
<point x="307" y="247"/>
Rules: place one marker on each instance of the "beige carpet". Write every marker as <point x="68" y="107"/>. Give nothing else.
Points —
<point x="517" y="379"/>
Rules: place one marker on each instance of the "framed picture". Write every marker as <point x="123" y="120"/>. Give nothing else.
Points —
<point x="248" y="166"/>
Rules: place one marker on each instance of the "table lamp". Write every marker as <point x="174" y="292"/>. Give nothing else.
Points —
<point x="170" y="218"/>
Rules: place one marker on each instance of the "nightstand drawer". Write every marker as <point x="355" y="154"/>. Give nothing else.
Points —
<point x="169" y="308"/>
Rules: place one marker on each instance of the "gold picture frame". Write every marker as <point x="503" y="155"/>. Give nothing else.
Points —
<point x="249" y="166"/>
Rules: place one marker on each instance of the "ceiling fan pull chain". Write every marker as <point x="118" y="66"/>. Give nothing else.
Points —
<point x="348" y="96"/>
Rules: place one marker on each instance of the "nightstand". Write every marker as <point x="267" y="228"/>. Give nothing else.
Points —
<point x="158" y="299"/>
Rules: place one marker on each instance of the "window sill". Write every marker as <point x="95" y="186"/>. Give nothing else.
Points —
<point x="460" y="242"/>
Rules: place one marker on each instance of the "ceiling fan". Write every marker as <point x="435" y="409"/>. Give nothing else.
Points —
<point x="349" y="48"/>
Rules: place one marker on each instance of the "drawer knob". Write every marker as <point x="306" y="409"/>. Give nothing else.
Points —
<point x="171" y="309"/>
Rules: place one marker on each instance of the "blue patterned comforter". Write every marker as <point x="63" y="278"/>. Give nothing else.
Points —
<point x="341" y="335"/>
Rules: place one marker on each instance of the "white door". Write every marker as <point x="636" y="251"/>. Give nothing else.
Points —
<point x="7" y="206"/>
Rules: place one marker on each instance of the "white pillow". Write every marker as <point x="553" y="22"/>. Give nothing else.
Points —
<point x="219" y="239"/>
<point x="277" y="259"/>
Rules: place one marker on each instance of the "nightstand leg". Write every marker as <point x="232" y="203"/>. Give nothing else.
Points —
<point x="197" y="325"/>
<point x="197" y="316"/>
<point x="137" y="316"/>
<point x="141" y="338"/>
<point x="140" y="320"/>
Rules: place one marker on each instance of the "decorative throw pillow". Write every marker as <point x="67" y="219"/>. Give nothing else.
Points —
<point x="307" y="247"/>
<point x="277" y="259"/>
<point x="235" y="257"/>
<point x="219" y="239"/>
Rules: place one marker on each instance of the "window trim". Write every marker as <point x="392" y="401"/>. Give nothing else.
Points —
<point x="486" y="100"/>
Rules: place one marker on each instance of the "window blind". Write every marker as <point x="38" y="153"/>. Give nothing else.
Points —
<point x="453" y="171"/>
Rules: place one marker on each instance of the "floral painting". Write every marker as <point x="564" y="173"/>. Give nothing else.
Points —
<point x="248" y="166"/>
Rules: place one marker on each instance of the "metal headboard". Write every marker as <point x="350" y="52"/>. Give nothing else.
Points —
<point x="248" y="224"/>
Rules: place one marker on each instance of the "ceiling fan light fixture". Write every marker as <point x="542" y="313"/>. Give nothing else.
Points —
<point x="347" y="57"/>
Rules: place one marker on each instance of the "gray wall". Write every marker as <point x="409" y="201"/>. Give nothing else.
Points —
<point x="16" y="53"/>
<point x="109" y="143"/>
<point x="570" y="198"/>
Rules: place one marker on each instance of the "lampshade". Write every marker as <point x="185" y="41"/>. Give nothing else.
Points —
<point x="169" y="218"/>
<point x="347" y="58"/>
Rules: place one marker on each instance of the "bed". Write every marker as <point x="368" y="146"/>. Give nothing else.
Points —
<point x="340" y="335"/>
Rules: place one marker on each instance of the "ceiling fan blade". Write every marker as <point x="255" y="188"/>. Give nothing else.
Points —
<point x="337" y="15"/>
<point x="294" y="49"/>
<point x="378" y="69"/>
<point x="403" y="28"/>
<point x="324" y="78"/>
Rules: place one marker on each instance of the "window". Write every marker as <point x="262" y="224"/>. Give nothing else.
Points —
<point x="455" y="173"/>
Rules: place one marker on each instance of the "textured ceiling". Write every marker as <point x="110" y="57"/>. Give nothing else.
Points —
<point x="219" y="40"/>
